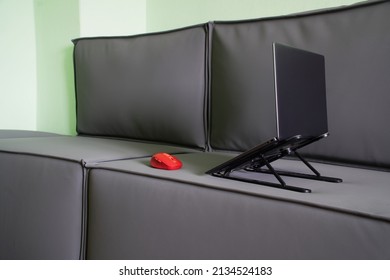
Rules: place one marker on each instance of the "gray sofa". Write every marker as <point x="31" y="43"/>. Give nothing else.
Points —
<point x="205" y="94"/>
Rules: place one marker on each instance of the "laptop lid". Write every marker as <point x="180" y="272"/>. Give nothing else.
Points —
<point x="300" y="93"/>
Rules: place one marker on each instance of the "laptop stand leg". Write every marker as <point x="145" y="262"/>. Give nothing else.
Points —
<point x="263" y="183"/>
<point x="307" y="164"/>
<point x="272" y="170"/>
<point x="282" y="184"/>
<point x="317" y="176"/>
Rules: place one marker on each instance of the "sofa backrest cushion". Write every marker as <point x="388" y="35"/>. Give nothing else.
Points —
<point x="148" y="87"/>
<point x="356" y="43"/>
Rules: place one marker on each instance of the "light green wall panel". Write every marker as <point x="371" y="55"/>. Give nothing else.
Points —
<point x="56" y="23"/>
<point x="17" y="65"/>
<point x="112" y="17"/>
<point x="170" y="14"/>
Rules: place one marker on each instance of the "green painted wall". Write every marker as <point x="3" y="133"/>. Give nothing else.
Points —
<point x="56" y="23"/>
<point x="36" y="69"/>
<point x="17" y="65"/>
<point x="112" y="17"/>
<point x="170" y="14"/>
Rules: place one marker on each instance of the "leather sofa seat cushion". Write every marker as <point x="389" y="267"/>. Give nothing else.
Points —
<point x="12" y="133"/>
<point x="85" y="150"/>
<point x="186" y="214"/>
<point x="41" y="206"/>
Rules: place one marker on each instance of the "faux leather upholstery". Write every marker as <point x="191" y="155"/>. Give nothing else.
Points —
<point x="148" y="87"/>
<point x="136" y="212"/>
<point x="41" y="206"/>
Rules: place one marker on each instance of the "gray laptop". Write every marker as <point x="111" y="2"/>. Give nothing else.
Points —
<point x="301" y="114"/>
<point x="300" y="93"/>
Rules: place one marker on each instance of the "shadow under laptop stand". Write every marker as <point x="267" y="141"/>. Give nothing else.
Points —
<point x="261" y="163"/>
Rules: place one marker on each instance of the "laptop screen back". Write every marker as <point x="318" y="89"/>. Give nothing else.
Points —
<point x="300" y="92"/>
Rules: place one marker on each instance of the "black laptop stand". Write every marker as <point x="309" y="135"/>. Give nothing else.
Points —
<point x="259" y="160"/>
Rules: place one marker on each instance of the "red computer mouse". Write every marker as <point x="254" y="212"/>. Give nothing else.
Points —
<point x="165" y="161"/>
